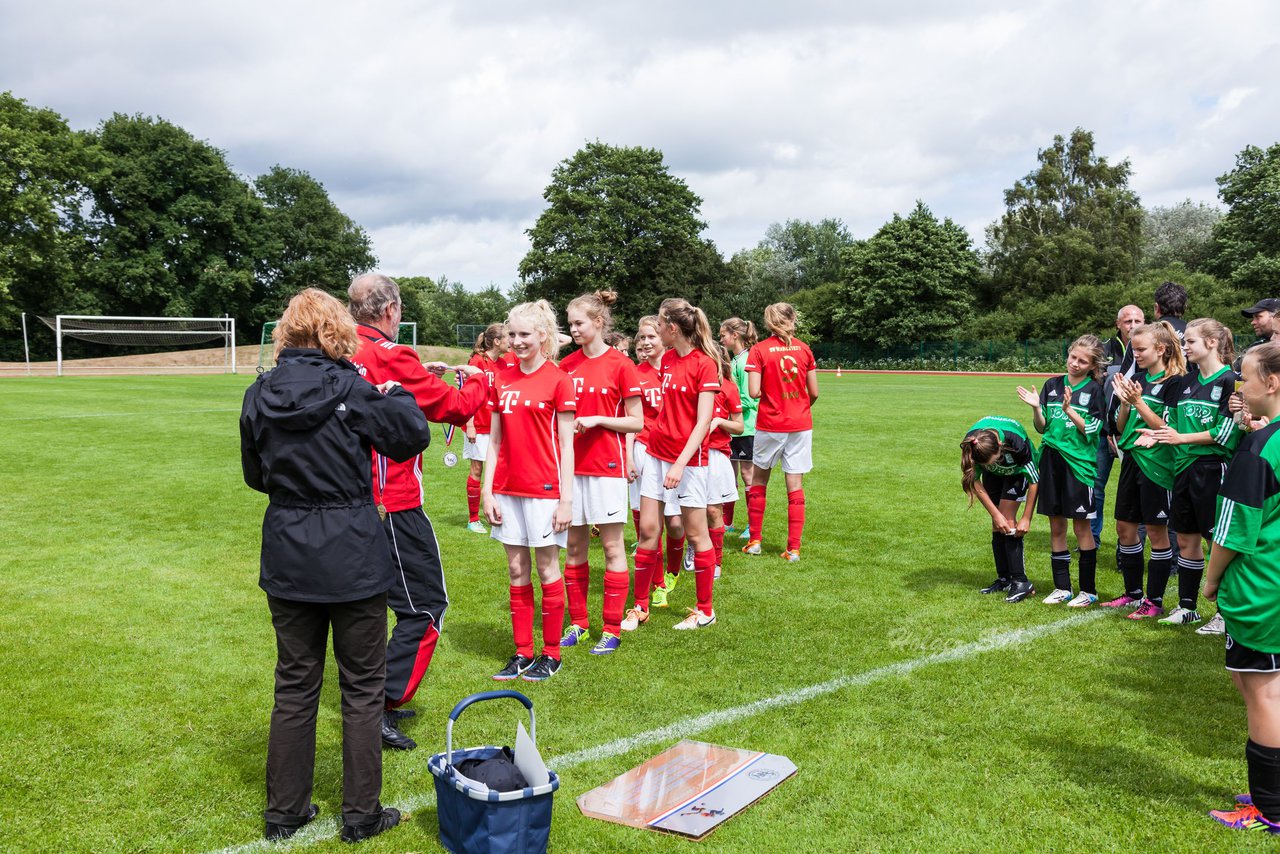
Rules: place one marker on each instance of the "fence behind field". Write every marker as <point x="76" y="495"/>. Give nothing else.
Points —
<point x="1034" y="355"/>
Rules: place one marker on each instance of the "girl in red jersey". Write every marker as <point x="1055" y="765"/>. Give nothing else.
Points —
<point x="678" y="455"/>
<point x="528" y="482"/>
<point x="490" y="345"/>
<point x="608" y="400"/>
<point x="783" y="376"/>
<point x="722" y="491"/>
<point x="738" y="336"/>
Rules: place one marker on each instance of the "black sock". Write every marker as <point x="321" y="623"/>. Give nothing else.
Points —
<point x="1190" y="573"/>
<point x="1013" y="554"/>
<point x="1061" y="563"/>
<point x="1264" y="778"/>
<point x="1158" y="567"/>
<point x="997" y="550"/>
<point x="1089" y="571"/>
<point x="1129" y="559"/>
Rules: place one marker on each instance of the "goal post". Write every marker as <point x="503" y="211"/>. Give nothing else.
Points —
<point x="148" y="332"/>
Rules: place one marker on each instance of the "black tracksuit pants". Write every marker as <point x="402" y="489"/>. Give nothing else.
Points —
<point x="417" y="597"/>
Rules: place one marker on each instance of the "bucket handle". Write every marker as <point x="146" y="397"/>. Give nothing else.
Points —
<point x="476" y="698"/>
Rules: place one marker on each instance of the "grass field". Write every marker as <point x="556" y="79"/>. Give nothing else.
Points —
<point x="136" y="653"/>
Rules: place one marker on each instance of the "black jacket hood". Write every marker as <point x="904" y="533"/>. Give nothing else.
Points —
<point x="295" y="397"/>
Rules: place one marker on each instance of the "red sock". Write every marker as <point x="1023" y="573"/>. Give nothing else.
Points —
<point x="795" y="519"/>
<point x="522" y="619"/>
<point x="473" y="498"/>
<point x="648" y="564"/>
<point x="615" y="600"/>
<point x="755" y="511"/>
<point x="577" y="582"/>
<point x="675" y="555"/>
<point x="704" y="568"/>
<point x="552" y="617"/>
<point x="728" y="513"/>
<point x="717" y="544"/>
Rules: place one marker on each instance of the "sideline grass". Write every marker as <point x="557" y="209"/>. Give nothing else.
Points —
<point x="135" y="666"/>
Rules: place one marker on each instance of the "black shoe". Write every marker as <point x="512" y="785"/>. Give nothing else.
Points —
<point x="516" y="665"/>
<point x="1019" y="590"/>
<point x="401" y="714"/>
<point x="544" y="667"/>
<point x="384" y="820"/>
<point x="393" y="737"/>
<point x="998" y="586"/>
<point x="284" y="831"/>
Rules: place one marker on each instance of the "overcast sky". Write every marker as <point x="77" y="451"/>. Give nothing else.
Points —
<point x="436" y="125"/>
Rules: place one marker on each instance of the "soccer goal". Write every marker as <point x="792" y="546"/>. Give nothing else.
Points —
<point x="406" y="334"/>
<point x="153" y="334"/>
<point x="467" y="333"/>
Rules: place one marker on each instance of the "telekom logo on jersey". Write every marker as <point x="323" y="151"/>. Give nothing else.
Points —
<point x="508" y="400"/>
<point x="654" y="396"/>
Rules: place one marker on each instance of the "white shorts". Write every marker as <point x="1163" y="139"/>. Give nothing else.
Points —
<point x="642" y="459"/>
<point x="722" y="486"/>
<point x="527" y="522"/>
<point x="795" y="449"/>
<point x="475" y="450"/>
<point x="599" y="500"/>
<point x="692" y="491"/>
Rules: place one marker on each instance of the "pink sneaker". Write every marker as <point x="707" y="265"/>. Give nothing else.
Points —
<point x="1146" y="609"/>
<point x="1125" y="601"/>
<point x="1246" y="818"/>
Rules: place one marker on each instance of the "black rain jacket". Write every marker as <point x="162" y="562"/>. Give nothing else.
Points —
<point x="307" y="430"/>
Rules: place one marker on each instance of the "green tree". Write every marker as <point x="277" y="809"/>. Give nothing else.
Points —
<point x="1072" y="221"/>
<point x="815" y="248"/>
<point x="912" y="280"/>
<point x="1246" y="243"/>
<point x="1181" y="234"/>
<point x="175" y="231"/>
<point x="305" y="240"/>
<point x="615" y="218"/>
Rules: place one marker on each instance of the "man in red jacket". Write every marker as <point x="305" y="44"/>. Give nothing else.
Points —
<point x="418" y="596"/>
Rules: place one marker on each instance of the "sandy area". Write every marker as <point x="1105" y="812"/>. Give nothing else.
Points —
<point x="212" y="360"/>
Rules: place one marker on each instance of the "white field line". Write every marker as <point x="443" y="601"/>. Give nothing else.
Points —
<point x="147" y="414"/>
<point x="692" y="726"/>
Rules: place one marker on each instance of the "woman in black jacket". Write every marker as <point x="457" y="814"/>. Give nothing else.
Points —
<point x="307" y="430"/>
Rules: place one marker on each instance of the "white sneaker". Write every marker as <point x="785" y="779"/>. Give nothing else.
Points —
<point x="695" y="620"/>
<point x="1082" y="600"/>
<point x="635" y="616"/>
<point x="1215" y="626"/>
<point x="1181" y="617"/>
<point x="1057" y="597"/>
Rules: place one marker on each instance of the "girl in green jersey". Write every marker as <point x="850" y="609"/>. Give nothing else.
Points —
<point x="738" y="336"/>
<point x="998" y="467"/>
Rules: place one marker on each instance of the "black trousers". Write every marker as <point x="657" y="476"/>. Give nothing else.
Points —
<point x="417" y="597"/>
<point x="302" y="632"/>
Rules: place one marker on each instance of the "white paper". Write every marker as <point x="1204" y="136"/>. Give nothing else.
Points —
<point x="528" y="760"/>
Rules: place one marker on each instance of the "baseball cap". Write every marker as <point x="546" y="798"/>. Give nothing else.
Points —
<point x="1271" y="305"/>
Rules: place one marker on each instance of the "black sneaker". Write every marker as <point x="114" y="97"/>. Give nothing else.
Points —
<point x="380" y="822"/>
<point x="1019" y="590"/>
<point x="276" y="831"/>
<point x="998" y="586"/>
<point x="543" y="668"/>
<point x="516" y="665"/>
<point x="392" y="736"/>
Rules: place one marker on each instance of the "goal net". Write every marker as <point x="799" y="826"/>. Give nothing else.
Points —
<point x="406" y="334"/>
<point x="170" y="342"/>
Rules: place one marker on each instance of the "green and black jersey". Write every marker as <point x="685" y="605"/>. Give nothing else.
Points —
<point x="1249" y="523"/>
<point x="1017" y="453"/>
<point x="738" y="370"/>
<point x="1080" y="450"/>
<point x="1160" y="393"/>
<point x="1201" y="408"/>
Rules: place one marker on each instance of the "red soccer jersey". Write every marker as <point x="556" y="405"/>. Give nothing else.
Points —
<point x="601" y="385"/>
<point x="650" y="398"/>
<point x="398" y="486"/>
<point x="784" y="395"/>
<point x="728" y="402"/>
<point x="490" y="368"/>
<point x="683" y="379"/>
<point x="526" y="407"/>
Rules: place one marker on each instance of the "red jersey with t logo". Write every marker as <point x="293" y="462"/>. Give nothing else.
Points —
<point x="784" y="393"/>
<point x="601" y="384"/>
<point x="728" y="402"/>
<point x="650" y="398"/>
<point x="526" y="406"/>
<point x="490" y="368"/>
<point x="683" y="379"/>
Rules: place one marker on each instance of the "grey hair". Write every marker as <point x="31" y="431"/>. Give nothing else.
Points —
<point x="371" y="295"/>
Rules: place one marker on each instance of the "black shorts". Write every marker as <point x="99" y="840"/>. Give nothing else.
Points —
<point x="1195" y="497"/>
<point x="1061" y="492"/>
<point x="742" y="448"/>
<point x="1140" y="499"/>
<point x="1005" y="487"/>
<point x="1245" y="659"/>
